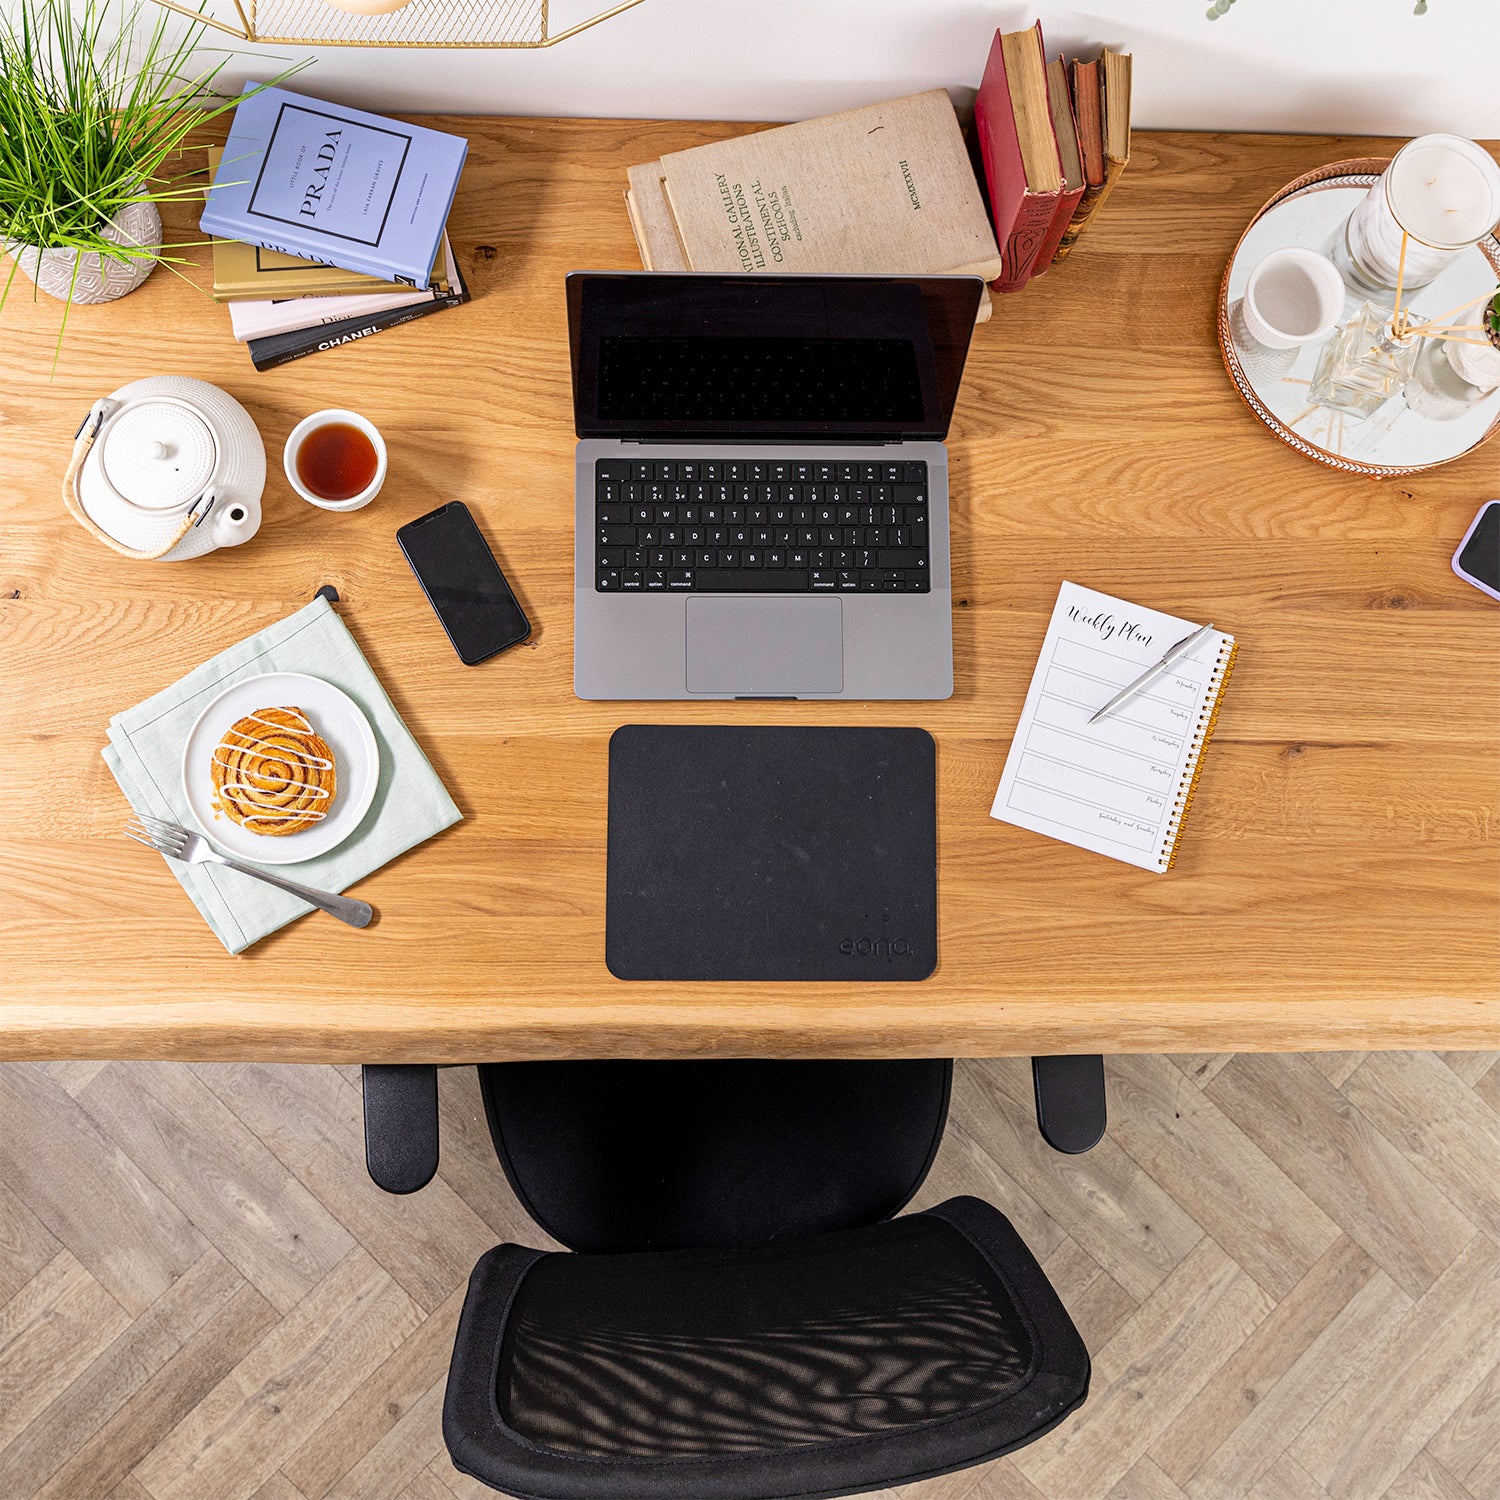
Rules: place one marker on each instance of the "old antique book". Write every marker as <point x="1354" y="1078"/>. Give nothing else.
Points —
<point x="1089" y="115"/>
<point x="1113" y="129"/>
<point x="885" y="188"/>
<point x="1116" y="117"/>
<point x="651" y="220"/>
<point x="1013" y="121"/>
<point x="1065" y="129"/>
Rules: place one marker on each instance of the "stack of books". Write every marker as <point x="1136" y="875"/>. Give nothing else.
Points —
<point x="886" y="189"/>
<point x="329" y="224"/>
<point x="1054" y="138"/>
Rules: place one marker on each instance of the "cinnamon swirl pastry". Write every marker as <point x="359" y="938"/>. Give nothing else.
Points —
<point x="272" y="774"/>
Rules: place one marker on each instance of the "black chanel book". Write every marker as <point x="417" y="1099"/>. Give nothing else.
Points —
<point x="282" y="348"/>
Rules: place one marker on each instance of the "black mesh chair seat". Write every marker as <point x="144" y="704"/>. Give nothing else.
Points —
<point x="849" y="1361"/>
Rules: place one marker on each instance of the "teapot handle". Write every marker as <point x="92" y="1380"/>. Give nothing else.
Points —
<point x="81" y="445"/>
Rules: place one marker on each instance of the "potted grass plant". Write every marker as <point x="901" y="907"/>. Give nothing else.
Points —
<point x="95" y="107"/>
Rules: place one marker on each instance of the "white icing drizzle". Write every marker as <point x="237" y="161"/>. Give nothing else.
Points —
<point x="244" y="792"/>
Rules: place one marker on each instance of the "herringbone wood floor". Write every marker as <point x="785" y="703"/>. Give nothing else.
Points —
<point x="1287" y="1270"/>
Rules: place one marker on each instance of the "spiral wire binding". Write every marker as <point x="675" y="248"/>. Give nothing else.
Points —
<point x="1187" y="787"/>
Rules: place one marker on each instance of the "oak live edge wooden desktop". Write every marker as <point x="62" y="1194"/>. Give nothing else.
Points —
<point x="1337" y="885"/>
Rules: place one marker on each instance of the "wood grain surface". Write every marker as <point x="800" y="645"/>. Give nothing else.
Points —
<point x="1337" y="884"/>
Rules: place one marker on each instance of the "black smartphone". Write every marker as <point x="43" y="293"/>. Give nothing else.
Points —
<point x="463" y="582"/>
<point x="1477" y="559"/>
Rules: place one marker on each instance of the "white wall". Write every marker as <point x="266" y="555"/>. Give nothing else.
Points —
<point x="1363" y="66"/>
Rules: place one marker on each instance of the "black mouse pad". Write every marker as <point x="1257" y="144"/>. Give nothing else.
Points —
<point x="783" y="853"/>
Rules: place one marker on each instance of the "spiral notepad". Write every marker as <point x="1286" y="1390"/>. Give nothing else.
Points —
<point x="1123" y="786"/>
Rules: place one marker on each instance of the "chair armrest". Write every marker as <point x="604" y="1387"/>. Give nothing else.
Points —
<point x="401" y="1125"/>
<point x="1070" y="1108"/>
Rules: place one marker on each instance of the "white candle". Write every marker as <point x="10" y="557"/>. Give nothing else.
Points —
<point x="1442" y="195"/>
<point x="1442" y="192"/>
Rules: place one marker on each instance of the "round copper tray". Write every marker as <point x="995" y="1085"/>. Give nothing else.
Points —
<point x="1329" y="452"/>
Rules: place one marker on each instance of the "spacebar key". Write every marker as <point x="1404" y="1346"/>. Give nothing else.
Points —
<point x="749" y="581"/>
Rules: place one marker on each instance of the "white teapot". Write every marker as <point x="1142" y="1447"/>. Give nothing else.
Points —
<point x="168" y="467"/>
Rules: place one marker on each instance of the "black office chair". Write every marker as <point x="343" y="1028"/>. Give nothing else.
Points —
<point x="743" y="1317"/>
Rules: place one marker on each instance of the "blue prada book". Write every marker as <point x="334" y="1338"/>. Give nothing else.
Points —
<point x="335" y="184"/>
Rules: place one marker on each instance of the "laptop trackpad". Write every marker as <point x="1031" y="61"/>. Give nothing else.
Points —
<point x="767" y="647"/>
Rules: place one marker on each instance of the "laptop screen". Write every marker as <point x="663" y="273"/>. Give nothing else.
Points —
<point x="810" y="357"/>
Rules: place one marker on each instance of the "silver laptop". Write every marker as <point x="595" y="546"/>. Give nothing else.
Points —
<point x="761" y="504"/>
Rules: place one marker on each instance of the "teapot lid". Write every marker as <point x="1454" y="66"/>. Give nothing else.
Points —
<point x="158" y="454"/>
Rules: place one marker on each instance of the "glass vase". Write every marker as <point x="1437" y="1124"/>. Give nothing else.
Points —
<point x="1364" y="364"/>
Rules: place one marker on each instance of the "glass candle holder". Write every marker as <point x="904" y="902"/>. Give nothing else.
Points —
<point x="1292" y="297"/>
<point x="1442" y="192"/>
<point x="1364" y="364"/>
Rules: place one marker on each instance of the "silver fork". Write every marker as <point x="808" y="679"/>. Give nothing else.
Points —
<point x="193" y="849"/>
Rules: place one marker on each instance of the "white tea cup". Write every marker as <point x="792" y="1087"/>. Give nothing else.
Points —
<point x="331" y="417"/>
<point x="1293" y="297"/>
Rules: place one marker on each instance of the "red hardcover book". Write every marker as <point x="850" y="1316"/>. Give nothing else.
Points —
<point x="1022" y="170"/>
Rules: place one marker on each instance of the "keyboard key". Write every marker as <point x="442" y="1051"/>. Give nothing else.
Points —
<point x="612" y="468"/>
<point x="705" y="557"/>
<point x="728" y="558"/>
<point x="679" y="578"/>
<point x="822" y="578"/>
<point x="611" y="557"/>
<point x="907" y="557"/>
<point x="612" y="515"/>
<point x="663" y="472"/>
<point x="632" y="578"/>
<point x="848" y="581"/>
<point x="735" y="582"/>
<point x="609" y="579"/>
<point x="616" y="536"/>
<point x="656" y="578"/>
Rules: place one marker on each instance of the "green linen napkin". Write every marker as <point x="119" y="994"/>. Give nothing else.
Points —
<point x="145" y="755"/>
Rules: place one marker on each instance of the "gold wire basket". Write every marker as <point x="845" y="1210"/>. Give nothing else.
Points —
<point x="423" y="23"/>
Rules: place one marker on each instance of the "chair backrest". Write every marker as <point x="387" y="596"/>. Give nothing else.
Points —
<point x="614" y="1156"/>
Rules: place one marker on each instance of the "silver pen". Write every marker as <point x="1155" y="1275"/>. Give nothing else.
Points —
<point x="1150" y="675"/>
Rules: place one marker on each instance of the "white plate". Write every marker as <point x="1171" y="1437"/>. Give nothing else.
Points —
<point x="334" y="715"/>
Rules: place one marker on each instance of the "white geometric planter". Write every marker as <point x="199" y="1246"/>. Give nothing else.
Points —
<point x="99" y="279"/>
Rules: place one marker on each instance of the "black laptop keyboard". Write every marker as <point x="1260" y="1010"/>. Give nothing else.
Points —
<point x="761" y="526"/>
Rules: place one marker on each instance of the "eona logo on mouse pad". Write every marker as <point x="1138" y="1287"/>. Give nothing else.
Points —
<point x="888" y="948"/>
